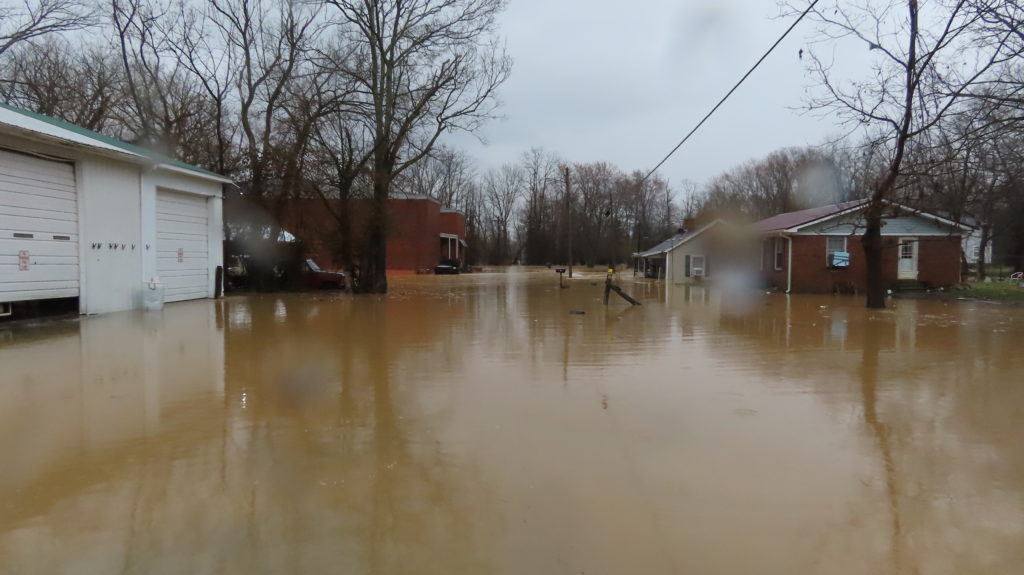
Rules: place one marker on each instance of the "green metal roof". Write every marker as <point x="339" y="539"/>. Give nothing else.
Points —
<point x="131" y="148"/>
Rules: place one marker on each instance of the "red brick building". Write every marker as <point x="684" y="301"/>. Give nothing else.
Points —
<point x="420" y="232"/>
<point x="819" y="250"/>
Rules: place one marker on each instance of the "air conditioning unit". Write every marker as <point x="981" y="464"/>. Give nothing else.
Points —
<point x="839" y="259"/>
<point x="5" y="309"/>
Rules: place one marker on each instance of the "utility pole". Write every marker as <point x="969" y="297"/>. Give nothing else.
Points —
<point x="568" y="221"/>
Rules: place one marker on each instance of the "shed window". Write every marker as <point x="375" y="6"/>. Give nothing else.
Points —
<point x="780" y="253"/>
<point x="834" y="246"/>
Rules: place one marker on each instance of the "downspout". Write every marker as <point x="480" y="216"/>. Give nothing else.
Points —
<point x="789" y="265"/>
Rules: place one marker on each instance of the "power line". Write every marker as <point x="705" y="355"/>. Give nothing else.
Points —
<point x="726" y="97"/>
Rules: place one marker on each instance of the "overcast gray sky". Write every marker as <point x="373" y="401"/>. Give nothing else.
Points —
<point x="625" y="81"/>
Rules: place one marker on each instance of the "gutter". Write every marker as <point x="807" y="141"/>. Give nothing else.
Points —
<point x="193" y="173"/>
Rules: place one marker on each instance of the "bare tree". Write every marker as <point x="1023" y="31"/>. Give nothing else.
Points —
<point x="926" y="61"/>
<point x="542" y="178"/>
<point x="31" y="19"/>
<point x="503" y="188"/>
<point x="214" y="68"/>
<point x="424" y="67"/>
<point x="443" y="174"/>
<point x="269" y="47"/>
<point x="75" y="83"/>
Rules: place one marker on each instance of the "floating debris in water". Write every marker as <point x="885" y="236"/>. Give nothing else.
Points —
<point x="577" y="312"/>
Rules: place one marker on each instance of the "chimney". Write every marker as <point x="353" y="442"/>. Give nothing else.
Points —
<point x="689" y="224"/>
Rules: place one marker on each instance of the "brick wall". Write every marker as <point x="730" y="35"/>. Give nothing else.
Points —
<point x="414" y="228"/>
<point x="938" y="264"/>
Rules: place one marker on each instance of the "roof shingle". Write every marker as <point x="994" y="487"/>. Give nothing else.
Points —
<point x="791" y="219"/>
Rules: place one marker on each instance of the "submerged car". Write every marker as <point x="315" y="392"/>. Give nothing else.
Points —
<point x="447" y="267"/>
<point x="317" y="278"/>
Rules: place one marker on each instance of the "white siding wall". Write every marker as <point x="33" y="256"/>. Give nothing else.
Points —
<point x="677" y="257"/>
<point x="110" y="212"/>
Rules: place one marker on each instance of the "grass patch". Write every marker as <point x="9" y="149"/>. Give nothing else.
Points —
<point x="998" y="291"/>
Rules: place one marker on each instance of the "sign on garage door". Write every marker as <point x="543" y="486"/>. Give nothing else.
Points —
<point x="38" y="228"/>
<point x="182" y="248"/>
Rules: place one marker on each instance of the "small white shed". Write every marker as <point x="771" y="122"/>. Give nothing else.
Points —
<point x="87" y="216"/>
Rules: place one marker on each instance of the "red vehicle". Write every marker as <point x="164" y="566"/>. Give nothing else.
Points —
<point x="317" y="278"/>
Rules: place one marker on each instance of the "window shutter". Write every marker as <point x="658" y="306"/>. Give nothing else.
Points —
<point x="687" y="265"/>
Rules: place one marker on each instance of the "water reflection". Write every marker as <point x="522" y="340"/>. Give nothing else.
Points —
<point x="481" y="424"/>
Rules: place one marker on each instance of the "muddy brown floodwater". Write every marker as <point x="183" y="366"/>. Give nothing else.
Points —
<point x="472" y="425"/>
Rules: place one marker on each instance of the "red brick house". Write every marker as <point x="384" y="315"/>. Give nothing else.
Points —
<point x="819" y="250"/>
<point x="421" y="233"/>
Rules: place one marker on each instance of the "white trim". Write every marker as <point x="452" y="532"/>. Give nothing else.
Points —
<point x="789" y="266"/>
<point x="826" y="218"/>
<point x="83" y="231"/>
<point x="863" y="204"/>
<point x="450" y="236"/>
<point x="34" y="128"/>
<point x="194" y="174"/>
<point x="891" y="235"/>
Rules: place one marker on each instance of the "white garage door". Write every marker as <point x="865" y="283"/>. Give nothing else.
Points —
<point x="38" y="228"/>
<point x="182" y="248"/>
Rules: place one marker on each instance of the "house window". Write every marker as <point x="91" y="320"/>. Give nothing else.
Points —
<point x="780" y="253"/>
<point x="906" y="250"/>
<point x="697" y="266"/>
<point x="835" y="252"/>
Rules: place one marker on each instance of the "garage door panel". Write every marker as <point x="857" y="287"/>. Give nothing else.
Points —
<point x="167" y="212"/>
<point x="182" y="224"/>
<point x="39" y="213"/>
<point x="38" y="202"/>
<point x="182" y="237"/>
<point x="190" y="273"/>
<point x="45" y="291"/>
<point x="19" y="181"/>
<point x="170" y="261"/>
<point x="180" y="204"/>
<point x="169" y="226"/>
<point x="8" y="288"/>
<point x="192" y="247"/>
<point x="64" y="203"/>
<point x="23" y="224"/>
<point x="40" y="260"/>
<point x="44" y="246"/>
<point x="9" y="273"/>
<point x="26" y="164"/>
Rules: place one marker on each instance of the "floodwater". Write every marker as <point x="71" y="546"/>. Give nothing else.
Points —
<point x="473" y="425"/>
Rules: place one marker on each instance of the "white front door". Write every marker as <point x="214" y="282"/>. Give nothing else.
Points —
<point x="907" y="259"/>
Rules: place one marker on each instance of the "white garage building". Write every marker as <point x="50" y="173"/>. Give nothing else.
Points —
<point x="87" y="216"/>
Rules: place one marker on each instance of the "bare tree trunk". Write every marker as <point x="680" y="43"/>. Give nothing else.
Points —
<point x="986" y="233"/>
<point x="872" y="243"/>
<point x="374" y="277"/>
